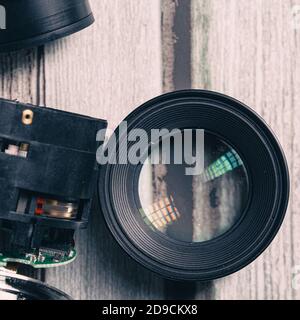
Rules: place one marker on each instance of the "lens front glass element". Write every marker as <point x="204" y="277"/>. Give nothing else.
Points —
<point x="199" y="206"/>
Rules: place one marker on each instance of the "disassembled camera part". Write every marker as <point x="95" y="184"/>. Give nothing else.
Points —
<point x="47" y="179"/>
<point x="206" y="225"/>
<point x="31" y="23"/>
<point x="16" y="287"/>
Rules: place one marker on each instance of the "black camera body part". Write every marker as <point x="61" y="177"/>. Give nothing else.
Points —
<point x="32" y="23"/>
<point x="47" y="179"/>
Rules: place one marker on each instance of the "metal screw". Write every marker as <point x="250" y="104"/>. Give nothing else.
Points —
<point x="27" y="117"/>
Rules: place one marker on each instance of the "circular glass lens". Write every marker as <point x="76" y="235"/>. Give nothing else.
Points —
<point x="193" y="187"/>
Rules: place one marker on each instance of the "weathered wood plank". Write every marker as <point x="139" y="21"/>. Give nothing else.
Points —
<point x="168" y="11"/>
<point x="106" y="71"/>
<point x="250" y="50"/>
<point x="20" y="75"/>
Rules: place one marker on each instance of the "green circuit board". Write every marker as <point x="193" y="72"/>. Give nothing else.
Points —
<point x="43" y="260"/>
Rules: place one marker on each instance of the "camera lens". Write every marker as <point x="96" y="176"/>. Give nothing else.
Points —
<point x="194" y="208"/>
<point x="26" y="24"/>
<point x="198" y="220"/>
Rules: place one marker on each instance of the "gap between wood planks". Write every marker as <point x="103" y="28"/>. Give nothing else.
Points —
<point x="177" y="75"/>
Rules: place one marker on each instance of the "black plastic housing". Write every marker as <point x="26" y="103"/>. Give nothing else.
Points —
<point x="35" y="22"/>
<point x="59" y="164"/>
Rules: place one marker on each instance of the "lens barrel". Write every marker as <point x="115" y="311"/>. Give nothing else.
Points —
<point x="267" y="198"/>
<point x="31" y="23"/>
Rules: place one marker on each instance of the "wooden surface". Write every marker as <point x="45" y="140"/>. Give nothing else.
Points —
<point x="250" y="50"/>
<point x="247" y="49"/>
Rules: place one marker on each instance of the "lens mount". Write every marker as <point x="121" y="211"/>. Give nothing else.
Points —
<point x="268" y="175"/>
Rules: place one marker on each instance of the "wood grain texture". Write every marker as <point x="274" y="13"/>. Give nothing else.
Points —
<point x="251" y="51"/>
<point x="106" y="71"/>
<point x="20" y="75"/>
<point x="247" y="49"/>
<point x="168" y="11"/>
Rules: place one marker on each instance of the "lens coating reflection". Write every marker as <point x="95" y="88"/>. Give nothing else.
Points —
<point x="194" y="208"/>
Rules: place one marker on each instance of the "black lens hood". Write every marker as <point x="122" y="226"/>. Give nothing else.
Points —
<point x="31" y="23"/>
<point x="268" y="179"/>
